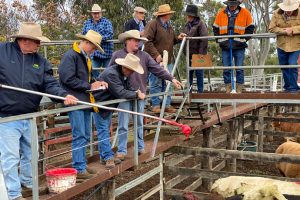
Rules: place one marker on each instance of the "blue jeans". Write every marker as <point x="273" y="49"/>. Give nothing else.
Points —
<point x="158" y="85"/>
<point x="199" y="76"/>
<point x="103" y="129"/>
<point x="15" y="148"/>
<point x="81" y="130"/>
<point x="123" y="121"/>
<point x="97" y="63"/>
<point x="290" y="75"/>
<point x="238" y="55"/>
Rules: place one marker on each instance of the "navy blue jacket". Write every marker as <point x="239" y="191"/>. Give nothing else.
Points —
<point x="28" y="71"/>
<point x="132" y="25"/>
<point x="73" y="75"/>
<point x="118" y="86"/>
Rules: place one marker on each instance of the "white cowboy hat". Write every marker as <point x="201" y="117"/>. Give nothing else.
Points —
<point x="164" y="10"/>
<point x="140" y="9"/>
<point x="131" y="62"/>
<point x="93" y="37"/>
<point x="31" y="30"/>
<point x="289" y="5"/>
<point x="96" y="9"/>
<point x="131" y="34"/>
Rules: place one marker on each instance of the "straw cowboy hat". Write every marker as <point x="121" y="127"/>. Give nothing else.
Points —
<point x="131" y="62"/>
<point x="96" y="9"/>
<point x="93" y="37"/>
<point x="289" y="5"/>
<point x="191" y="10"/>
<point x="135" y="34"/>
<point x="232" y="2"/>
<point x="164" y="10"/>
<point x="140" y="9"/>
<point x="31" y="30"/>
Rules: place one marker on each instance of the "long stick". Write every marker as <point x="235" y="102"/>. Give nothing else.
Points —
<point x="185" y="128"/>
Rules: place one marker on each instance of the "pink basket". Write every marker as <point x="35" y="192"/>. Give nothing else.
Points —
<point x="60" y="179"/>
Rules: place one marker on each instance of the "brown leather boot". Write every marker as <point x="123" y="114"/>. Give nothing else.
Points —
<point x="120" y="156"/>
<point x="239" y="88"/>
<point x="228" y="88"/>
<point x="110" y="163"/>
<point x="156" y="109"/>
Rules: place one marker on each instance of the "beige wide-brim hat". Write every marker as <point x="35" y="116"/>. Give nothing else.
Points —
<point x="131" y="34"/>
<point x="131" y="62"/>
<point x="164" y="10"/>
<point x="93" y="37"/>
<point x="31" y="30"/>
<point x="96" y="9"/>
<point x="289" y="5"/>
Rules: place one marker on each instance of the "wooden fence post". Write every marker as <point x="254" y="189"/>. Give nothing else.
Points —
<point x="207" y="160"/>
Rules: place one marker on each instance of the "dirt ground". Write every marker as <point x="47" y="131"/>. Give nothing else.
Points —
<point x="243" y="166"/>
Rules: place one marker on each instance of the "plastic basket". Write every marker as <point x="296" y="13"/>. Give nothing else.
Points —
<point x="60" y="179"/>
<point x="247" y="146"/>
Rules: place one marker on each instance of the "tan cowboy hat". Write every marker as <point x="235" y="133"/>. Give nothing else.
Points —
<point x="131" y="34"/>
<point x="131" y="62"/>
<point x="93" y="37"/>
<point x="289" y="5"/>
<point x="96" y="9"/>
<point x="164" y="10"/>
<point x="140" y="9"/>
<point x="31" y="30"/>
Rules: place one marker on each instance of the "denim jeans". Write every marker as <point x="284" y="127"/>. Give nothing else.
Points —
<point x="238" y="55"/>
<point x="15" y="148"/>
<point x="158" y="85"/>
<point x="123" y="121"/>
<point x="97" y="63"/>
<point x="199" y="76"/>
<point x="81" y="130"/>
<point x="290" y="75"/>
<point x="103" y="132"/>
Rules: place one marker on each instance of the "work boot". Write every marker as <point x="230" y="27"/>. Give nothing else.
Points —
<point x="83" y="176"/>
<point x="91" y="170"/>
<point x="141" y="152"/>
<point x="228" y="88"/>
<point x="156" y="109"/>
<point x="110" y="163"/>
<point x="239" y="88"/>
<point x="102" y="161"/>
<point x="120" y="156"/>
<point x="170" y="109"/>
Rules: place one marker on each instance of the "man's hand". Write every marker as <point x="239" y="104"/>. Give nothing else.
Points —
<point x="176" y="83"/>
<point x="159" y="59"/>
<point x="289" y="31"/>
<point x="70" y="100"/>
<point x="140" y="95"/>
<point x="99" y="84"/>
<point x="181" y="36"/>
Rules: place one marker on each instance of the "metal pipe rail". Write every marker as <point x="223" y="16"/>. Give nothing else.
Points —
<point x="246" y="67"/>
<point x="258" y="35"/>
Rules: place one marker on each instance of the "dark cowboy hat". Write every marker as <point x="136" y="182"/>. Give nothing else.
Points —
<point x="232" y="2"/>
<point x="191" y="10"/>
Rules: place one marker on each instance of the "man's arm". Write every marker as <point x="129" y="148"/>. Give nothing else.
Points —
<point x="202" y="31"/>
<point x="107" y="33"/>
<point x="149" y="33"/>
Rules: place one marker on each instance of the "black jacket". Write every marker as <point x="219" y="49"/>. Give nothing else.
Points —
<point x="74" y="75"/>
<point x="29" y="71"/>
<point x="132" y="25"/>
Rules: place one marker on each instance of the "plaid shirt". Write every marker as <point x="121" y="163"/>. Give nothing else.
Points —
<point x="105" y="29"/>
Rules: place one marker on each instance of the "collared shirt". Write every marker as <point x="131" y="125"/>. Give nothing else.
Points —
<point x="140" y="23"/>
<point x="164" y="24"/>
<point x="105" y="29"/>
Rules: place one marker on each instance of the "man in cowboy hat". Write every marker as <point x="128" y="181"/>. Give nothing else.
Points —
<point x="75" y="75"/>
<point x="104" y="27"/>
<point x="233" y="20"/>
<point x="195" y="28"/>
<point x="131" y="39"/>
<point x="285" y="22"/>
<point x="118" y="78"/>
<point x="21" y="66"/>
<point x="161" y="36"/>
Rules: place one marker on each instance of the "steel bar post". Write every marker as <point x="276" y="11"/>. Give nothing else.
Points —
<point x="34" y="161"/>
<point x="165" y="100"/>
<point x="92" y="136"/>
<point x="135" y="135"/>
<point x="161" y="176"/>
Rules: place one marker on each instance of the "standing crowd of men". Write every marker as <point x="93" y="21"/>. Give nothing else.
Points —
<point x="125" y="76"/>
